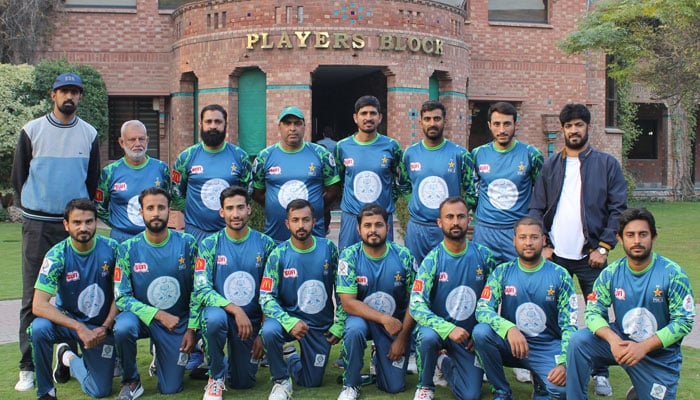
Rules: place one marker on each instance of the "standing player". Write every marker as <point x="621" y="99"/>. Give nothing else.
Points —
<point x="654" y="308"/>
<point x="153" y="285"/>
<point x="505" y="170"/>
<point x="374" y="281"/>
<point x="369" y="164"/>
<point x="436" y="169"/>
<point x="295" y="294"/>
<point x="227" y="283"/>
<point x="293" y="169"/>
<point x="443" y="301"/>
<point x="537" y="316"/>
<point x="78" y="271"/>
<point x="121" y="182"/>
<point x="203" y="170"/>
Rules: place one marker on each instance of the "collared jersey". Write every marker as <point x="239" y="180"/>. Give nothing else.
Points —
<point x="151" y="277"/>
<point x="505" y="179"/>
<point x="657" y="300"/>
<point x="434" y="174"/>
<point x="286" y="176"/>
<point x="298" y="285"/>
<point x="541" y="302"/>
<point x="118" y="190"/>
<point x="383" y="283"/>
<point x="200" y="175"/>
<point x="448" y="285"/>
<point x="229" y="271"/>
<point x="82" y="282"/>
<point x="371" y="172"/>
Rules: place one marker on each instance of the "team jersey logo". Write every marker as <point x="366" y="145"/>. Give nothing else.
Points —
<point x="658" y="295"/>
<point x="312" y="169"/>
<point x="175" y="175"/>
<point x="199" y="265"/>
<point x="117" y="274"/>
<point x="274" y="170"/>
<point x="550" y="293"/>
<point x="221" y="259"/>
<point x="415" y="166"/>
<point x="486" y="293"/>
<point x="451" y="166"/>
<point x="45" y="266"/>
<point x="510" y="291"/>
<point x="521" y="168"/>
<point x="484" y="168"/>
<point x="266" y="284"/>
<point x="234" y="169"/>
<point x="442" y="277"/>
<point x="620" y="293"/>
<point x="120" y="186"/>
<point x="197" y="169"/>
<point x="72" y="276"/>
<point x="290" y="273"/>
<point x="349" y="162"/>
<point x="140" y="267"/>
<point x="362" y="280"/>
<point x="99" y="195"/>
<point x="418" y="285"/>
<point x="343" y="268"/>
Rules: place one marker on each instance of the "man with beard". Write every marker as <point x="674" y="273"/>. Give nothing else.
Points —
<point x="227" y="283"/>
<point x="153" y="283"/>
<point x="203" y="170"/>
<point x="505" y="171"/>
<point x="57" y="159"/>
<point x="579" y="197"/>
<point x="78" y="272"/>
<point x="443" y="300"/>
<point x="369" y="165"/>
<point x="293" y="169"/>
<point x="374" y="282"/>
<point x="436" y="169"/>
<point x="296" y="296"/>
<point x="652" y="300"/>
<point x="537" y="317"/>
<point x="122" y="181"/>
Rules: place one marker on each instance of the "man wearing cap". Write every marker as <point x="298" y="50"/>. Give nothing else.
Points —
<point x="293" y="169"/>
<point x="57" y="159"/>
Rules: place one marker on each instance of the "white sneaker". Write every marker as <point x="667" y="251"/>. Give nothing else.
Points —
<point x="288" y="351"/>
<point x="424" y="394"/>
<point x="412" y="366"/>
<point x="214" y="389"/>
<point x="602" y="386"/>
<point x="438" y="376"/>
<point x="281" y="390"/>
<point x="349" y="393"/>
<point x="152" y="369"/>
<point x="522" y="375"/>
<point x="25" y="382"/>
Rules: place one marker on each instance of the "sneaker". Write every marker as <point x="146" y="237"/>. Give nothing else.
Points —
<point x="438" y="376"/>
<point x="339" y="363"/>
<point x="632" y="394"/>
<point x="214" y="389"/>
<point x="522" y="375"/>
<point x="602" y="386"/>
<point x="61" y="373"/>
<point x="412" y="366"/>
<point x="501" y="395"/>
<point x="373" y="361"/>
<point x="46" y="396"/>
<point x="25" y="382"/>
<point x="288" y="351"/>
<point x="117" y="367"/>
<point x="349" y="393"/>
<point x="130" y="391"/>
<point x="281" y="390"/>
<point x="152" y="369"/>
<point x="424" y="393"/>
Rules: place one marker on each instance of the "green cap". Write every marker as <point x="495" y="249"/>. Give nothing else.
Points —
<point x="290" y="110"/>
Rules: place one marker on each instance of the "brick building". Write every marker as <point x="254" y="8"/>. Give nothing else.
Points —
<point x="161" y="64"/>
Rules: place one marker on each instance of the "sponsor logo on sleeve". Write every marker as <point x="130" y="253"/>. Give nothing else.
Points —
<point x="99" y="195"/>
<point x="486" y="293"/>
<point x="200" y="264"/>
<point x="418" y="285"/>
<point x="117" y="274"/>
<point x="266" y="284"/>
<point x="175" y="176"/>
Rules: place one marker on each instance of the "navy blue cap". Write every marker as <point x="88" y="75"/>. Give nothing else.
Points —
<point x="68" y="79"/>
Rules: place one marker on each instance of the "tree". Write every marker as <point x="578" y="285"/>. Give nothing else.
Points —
<point x="654" y="43"/>
<point x="26" y="27"/>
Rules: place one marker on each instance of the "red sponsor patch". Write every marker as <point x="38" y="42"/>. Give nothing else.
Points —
<point x="99" y="195"/>
<point x="274" y="170"/>
<point x="510" y="291"/>
<point x="348" y="162"/>
<point x="140" y="267"/>
<point x="196" y="169"/>
<point x="117" y="274"/>
<point x="200" y="264"/>
<point x="175" y="175"/>
<point x="290" y="273"/>
<point x="415" y="166"/>
<point x="442" y="277"/>
<point x="593" y="296"/>
<point x="486" y="293"/>
<point x="266" y="284"/>
<point x="418" y="285"/>
<point x="620" y="293"/>
<point x="362" y="280"/>
<point x="221" y="259"/>
<point x="72" y="276"/>
<point x="484" y="168"/>
<point x="120" y="186"/>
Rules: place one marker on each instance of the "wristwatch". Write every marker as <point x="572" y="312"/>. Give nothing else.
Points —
<point x="603" y="251"/>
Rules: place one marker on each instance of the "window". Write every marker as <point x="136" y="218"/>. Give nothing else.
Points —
<point x="101" y="3"/>
<point x="533" y="11"/>
<point x="122" y="109"/>
<point x="172" y="4"/>
<point x="645" y="146"/>
<point x="610" y="96"/>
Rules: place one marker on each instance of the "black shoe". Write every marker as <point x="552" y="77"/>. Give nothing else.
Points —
<point x="46" y="397"/>
<point x="61" y="373"/>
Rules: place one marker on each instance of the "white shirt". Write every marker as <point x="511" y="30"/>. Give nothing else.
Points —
<point x="567" y="228"/>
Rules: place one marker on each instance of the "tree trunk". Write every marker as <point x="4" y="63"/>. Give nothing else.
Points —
<point x="682" y="152"/>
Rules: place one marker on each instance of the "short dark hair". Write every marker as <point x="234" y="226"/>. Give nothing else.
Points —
<point x="632" y="214"/>
<point x="529" y="221"/>
<point x="79" y="204"/>
<point x="503" y="107"/>
<point x="213" y="107"/>
<point x="232" y="191"/>
<point x="453" y="200"/>
<point x="154" y="191"/>
<point x="372" y="209"/>
<point x="298" y="204"/>
<point x="365" y="101"/>
<point x="431" y="105"/>
<point x="574" y="111"/>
